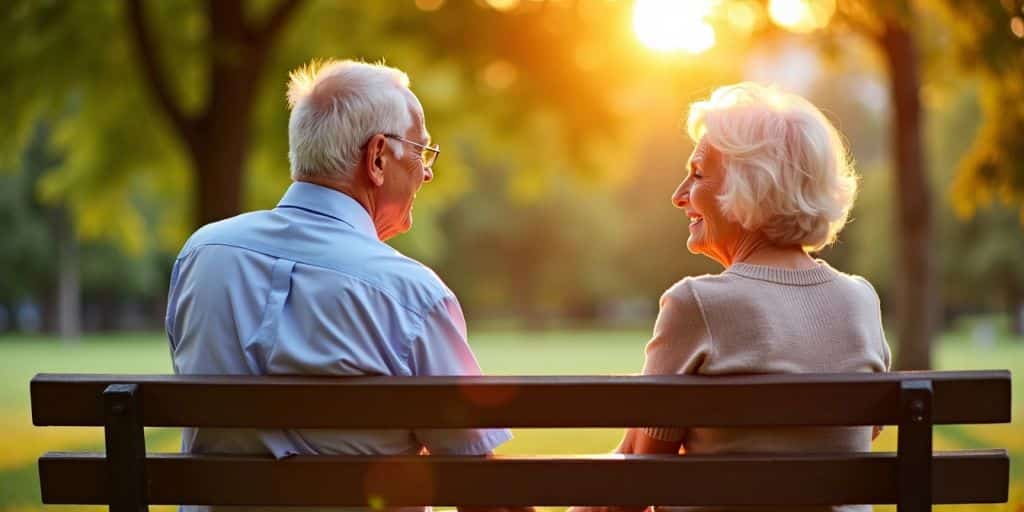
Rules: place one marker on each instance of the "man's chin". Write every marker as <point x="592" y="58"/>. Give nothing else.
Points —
<point x="693" y="247"/>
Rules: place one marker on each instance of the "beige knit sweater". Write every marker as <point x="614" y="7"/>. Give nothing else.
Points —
<point x="758" y="319"/>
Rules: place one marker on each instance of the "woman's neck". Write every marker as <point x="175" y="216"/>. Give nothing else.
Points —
<point x="756" y="250"/>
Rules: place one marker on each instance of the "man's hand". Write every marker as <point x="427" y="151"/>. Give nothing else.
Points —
<point x="495" y="509"/>
<point x="606" y="509"/>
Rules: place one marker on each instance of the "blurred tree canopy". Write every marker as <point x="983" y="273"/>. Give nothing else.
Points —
<point x="562" y="138"/>
<point x="180" y="104"/>
<point x="989" y="39"/>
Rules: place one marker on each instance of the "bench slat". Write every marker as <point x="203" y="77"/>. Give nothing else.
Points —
<point x="529" y="402"/>
<point x="958" y="477"/>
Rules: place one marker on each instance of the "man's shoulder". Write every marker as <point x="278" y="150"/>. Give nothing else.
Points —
<point x="222" y="231"/>
<point x="407" y="278"/>
<point x="337" y="252"/>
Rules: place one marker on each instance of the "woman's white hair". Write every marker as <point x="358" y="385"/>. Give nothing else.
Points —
<point x="336" y="107"/>
<point x="787" y="172"/>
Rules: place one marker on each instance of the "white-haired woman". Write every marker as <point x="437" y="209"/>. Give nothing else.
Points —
<point x="768" y="183"/>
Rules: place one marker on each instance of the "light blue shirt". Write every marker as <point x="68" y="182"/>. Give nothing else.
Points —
<point x="308" y="289"/>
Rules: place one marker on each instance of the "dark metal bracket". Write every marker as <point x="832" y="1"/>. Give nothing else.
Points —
<point x="914" y="449"/>
<point x="126" y="448"/>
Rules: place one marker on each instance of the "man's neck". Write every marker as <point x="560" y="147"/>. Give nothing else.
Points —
<point x="358" y="193"/>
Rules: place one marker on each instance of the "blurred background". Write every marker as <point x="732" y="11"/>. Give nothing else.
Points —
<point x="131" y="123"/>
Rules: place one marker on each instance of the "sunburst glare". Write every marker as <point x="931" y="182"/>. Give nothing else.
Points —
<point x="802" y="15"/>
<point x="672" y="25"/>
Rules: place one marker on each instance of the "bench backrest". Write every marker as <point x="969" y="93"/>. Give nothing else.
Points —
<point x="915" y="401"/>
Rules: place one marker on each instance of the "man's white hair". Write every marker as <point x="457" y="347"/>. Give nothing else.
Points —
<point x="787" y="172"/>
<point x="336" y="107"/>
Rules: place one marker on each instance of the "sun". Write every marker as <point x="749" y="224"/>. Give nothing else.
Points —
<point x="802" y="16"/>
<point x="672" y="25"/>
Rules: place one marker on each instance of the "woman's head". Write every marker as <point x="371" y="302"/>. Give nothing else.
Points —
<point x="779" y="170"/>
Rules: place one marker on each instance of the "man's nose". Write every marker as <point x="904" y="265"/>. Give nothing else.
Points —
<point x="681" y="197"/>
<point x="428" y="174"/>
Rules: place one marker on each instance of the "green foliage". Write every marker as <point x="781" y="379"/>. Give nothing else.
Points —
<point x="127" y="173"/>
<point x="562" y="139"/>
<point x="979" y="257"/>
<point x="70" y="64"/>
<point x="26" y="250"/>
<point x="992" y="171"/>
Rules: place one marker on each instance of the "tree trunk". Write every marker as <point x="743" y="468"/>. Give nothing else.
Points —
<point x="69" y="287"/>
<point x="219" y="161"/>
<point x="1015" y="306"/>
<point x="915" y="284"/>
<point x="218" y="137"/>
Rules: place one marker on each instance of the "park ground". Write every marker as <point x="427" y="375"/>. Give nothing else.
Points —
<point x="499" y="352"/>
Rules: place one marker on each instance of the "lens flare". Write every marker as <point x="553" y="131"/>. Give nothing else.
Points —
<point x="672" y="25"/>
<point x="802" y="16"/>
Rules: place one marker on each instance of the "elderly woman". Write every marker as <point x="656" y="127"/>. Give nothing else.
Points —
<point x="768" y="183"/>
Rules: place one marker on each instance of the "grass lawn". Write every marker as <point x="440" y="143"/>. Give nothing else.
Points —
<point x="509" y="353"/>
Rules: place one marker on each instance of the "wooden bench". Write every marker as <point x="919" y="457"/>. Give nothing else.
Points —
<point x="127" y="478"/>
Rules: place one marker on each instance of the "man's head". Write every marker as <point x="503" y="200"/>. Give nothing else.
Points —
<point x="357" y="127"/>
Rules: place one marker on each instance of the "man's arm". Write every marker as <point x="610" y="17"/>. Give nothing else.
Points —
<point x="442" y="349"/>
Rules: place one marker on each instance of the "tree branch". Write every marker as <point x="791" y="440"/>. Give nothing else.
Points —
<point x="149" y="61"/>
<point x="276" y="21"/>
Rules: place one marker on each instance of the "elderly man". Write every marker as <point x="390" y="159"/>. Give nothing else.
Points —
<point x="310" y="287"/>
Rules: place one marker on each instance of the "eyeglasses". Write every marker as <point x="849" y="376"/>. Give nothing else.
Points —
<point x="428" y="153"/>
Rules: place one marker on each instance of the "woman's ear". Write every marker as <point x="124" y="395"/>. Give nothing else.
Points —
<point x="375" y="159"/>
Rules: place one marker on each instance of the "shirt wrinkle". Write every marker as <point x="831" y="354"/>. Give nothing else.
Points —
<point x="315" y="212"/>
<point x="272" y="254"/>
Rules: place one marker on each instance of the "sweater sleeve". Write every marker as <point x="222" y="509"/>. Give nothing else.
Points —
<point x="886" y="352"/>
<point x="680" y="345"/>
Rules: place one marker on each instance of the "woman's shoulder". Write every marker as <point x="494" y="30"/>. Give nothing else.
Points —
<point x="696" y="290"/>
<point x="858" y="284"/>
<point x="741" y="284"/>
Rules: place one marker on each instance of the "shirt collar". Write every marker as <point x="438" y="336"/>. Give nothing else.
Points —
<point x="331" y="203"/>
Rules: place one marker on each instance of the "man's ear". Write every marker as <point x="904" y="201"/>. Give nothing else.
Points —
<point x="375" y="158"/>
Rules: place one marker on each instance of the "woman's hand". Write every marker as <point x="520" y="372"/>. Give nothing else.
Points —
<point x="875" y="431"/>
<point x="606" y="509"/>
<point x="634" y="441"/>
<point x="628" y="443"/>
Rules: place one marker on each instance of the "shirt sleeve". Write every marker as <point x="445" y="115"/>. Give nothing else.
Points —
<point x="680" y="345"/>
<point x="172" y="310"/>
<point x="442" y="349"/>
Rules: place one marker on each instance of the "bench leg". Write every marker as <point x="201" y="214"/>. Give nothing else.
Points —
<point x="914" y="448"/>
<point x="126" y="448"/>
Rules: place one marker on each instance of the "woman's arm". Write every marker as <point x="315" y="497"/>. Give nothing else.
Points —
<point x="635" y="441"/>
<point x="681" y="343"/>
<point x="645" y="444"/>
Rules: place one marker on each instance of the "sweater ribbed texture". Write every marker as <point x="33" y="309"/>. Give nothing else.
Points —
<point x="758" y="319"/>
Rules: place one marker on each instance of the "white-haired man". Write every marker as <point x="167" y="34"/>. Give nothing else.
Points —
<point x="310" y="287"/>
